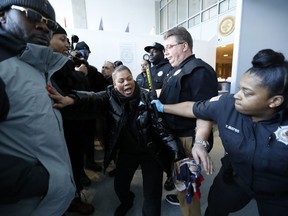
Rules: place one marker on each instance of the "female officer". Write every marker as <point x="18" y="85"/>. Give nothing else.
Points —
<point x="135" y="134"/>
<point x="254" y="133"/>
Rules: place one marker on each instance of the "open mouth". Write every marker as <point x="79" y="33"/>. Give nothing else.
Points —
<point x="128" y="91"/>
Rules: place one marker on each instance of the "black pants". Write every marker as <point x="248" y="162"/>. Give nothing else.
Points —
<point x="88" y="141"/>
<point x="225" y="198"/>
<point x="74" y="132"/>
<point x="152" y="181"/>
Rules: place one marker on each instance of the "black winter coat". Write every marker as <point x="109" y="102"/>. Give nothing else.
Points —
<point x="4" y="102"/>
<point x="151" y="131"/>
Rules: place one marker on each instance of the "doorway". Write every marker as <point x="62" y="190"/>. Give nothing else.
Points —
<point x="224" y="56"/>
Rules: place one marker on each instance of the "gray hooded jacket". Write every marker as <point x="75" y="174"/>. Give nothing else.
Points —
<point x="33" y="129"/>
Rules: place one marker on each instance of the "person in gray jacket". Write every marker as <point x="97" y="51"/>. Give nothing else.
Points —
<point x="31" y="132"/>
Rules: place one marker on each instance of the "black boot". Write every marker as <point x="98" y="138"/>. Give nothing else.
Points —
<point x="123" y="208"/>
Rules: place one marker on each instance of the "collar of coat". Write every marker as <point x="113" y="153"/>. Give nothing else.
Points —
<point x="9" y="45"/>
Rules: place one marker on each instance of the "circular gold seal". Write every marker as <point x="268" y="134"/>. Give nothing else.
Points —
<point x="227" y="25"/>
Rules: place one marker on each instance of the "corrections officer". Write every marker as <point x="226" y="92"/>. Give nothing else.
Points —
<point x="160" y="65"/>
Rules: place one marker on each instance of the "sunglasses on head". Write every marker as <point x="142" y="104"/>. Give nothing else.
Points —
<point x="36" y="17"/>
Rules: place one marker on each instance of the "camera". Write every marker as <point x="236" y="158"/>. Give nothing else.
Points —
<point x="78" y="58"/>
<point x="75" y="55"/>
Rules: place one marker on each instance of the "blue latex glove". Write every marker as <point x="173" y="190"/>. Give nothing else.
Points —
<point x="159" y="105"/>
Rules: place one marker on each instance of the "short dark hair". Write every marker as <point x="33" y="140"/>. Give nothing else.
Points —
<point x="181" y="34"/>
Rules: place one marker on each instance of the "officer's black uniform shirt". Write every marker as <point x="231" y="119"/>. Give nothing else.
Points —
<point x="142" y="81"/>
<point x="258" y="150"/>
<point x="159" y="72"/>
<point x="186" y="84"/>
<point x="4" y="102"/>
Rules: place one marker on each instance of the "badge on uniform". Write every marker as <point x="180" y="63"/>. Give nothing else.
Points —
<point x="177" y="72"/>
<point x="282" y="134"/>
<point x="160" y="73"/>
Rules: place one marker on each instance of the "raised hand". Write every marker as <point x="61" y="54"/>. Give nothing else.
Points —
<point x="60" y="101"/>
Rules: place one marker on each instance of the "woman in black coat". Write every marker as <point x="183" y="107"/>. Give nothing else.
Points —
<point x="136" y="135"/>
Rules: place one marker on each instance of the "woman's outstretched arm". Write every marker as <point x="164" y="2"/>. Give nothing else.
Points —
<point x="181" y="109"/>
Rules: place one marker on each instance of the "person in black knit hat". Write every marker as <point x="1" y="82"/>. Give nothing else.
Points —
<point x="36" y="177"/>
<point x="95" y="127"/>
<point x="43" y="7"/>
<point x="75" y="124"/>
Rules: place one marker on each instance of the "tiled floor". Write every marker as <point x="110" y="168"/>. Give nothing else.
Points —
<point x="101" y="192"/>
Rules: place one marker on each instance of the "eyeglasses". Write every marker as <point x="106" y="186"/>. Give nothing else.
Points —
<point x="170" y="46"/>
<point x="36" y="17"/>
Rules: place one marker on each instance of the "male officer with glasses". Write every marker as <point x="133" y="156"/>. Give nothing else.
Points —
<point x="192" y="79"/>
<point x="31" y="134"/>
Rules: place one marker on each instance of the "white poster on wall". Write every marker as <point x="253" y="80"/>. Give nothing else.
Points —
<point x="128" y="55"/>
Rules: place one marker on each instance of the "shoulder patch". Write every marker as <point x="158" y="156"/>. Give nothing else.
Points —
<point x="216" y="98"/>
<point x="282" y="134"/>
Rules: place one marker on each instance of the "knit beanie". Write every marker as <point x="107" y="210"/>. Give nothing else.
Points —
<point x="59" y="30"/>
<point x="41" y="6"/>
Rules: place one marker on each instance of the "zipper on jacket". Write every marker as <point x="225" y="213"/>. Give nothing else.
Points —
<point x="59" y="121"/>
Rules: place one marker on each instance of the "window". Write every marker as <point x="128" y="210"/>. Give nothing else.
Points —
<point x="207" y="3"/>
<point x="184" y="24"/>
<point x="182" y="10"/>
<point x="223" y="6"/>
<point x="206" y="15"/>
<point x="226" y="5"/>
<point x="194" y="7"/>
<point x="189" y="13"/>
<point x="163" y="3"/>
<point x="194" y="21"/>
<point x="172" y="14"/>
<point x="232" y="4"/>
<point x="163" y="19"/>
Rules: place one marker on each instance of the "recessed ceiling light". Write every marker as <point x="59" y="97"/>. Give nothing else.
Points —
<point x="225" y="55"/>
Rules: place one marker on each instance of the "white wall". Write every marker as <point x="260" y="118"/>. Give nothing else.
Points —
<point x="116" y="14"/>
<point x="260" y="25"/>
<point x="63" y="10"/>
